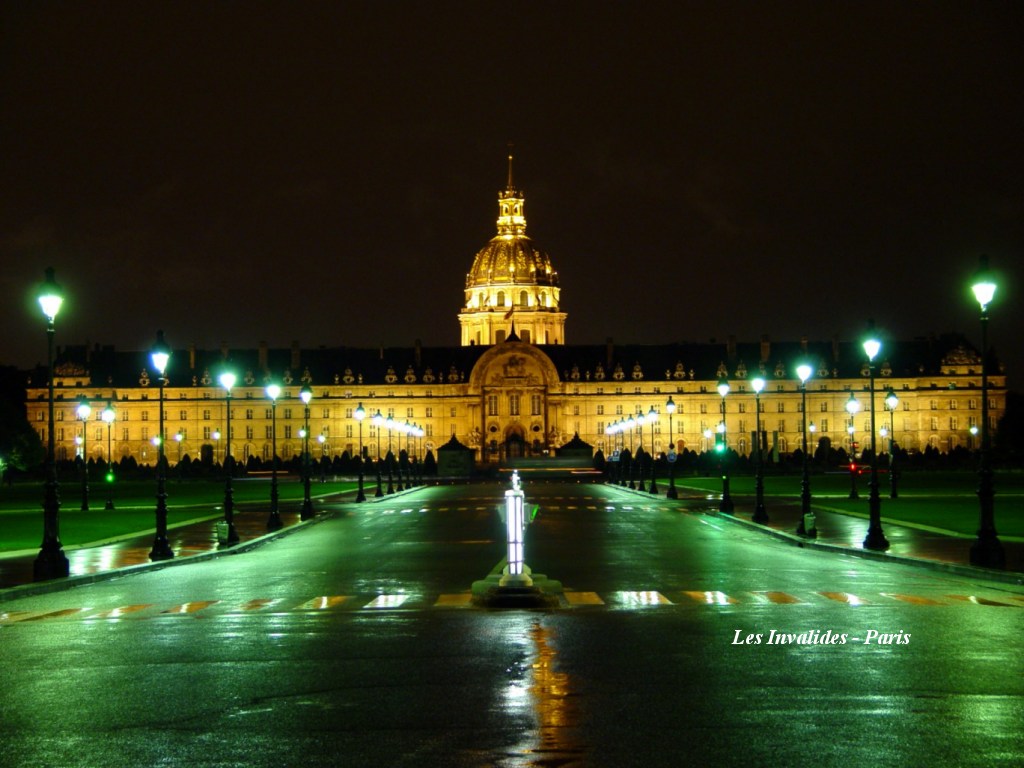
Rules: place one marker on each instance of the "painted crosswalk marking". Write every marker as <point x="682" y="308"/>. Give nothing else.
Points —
<point x="844" y="597"/>
<point x="711" y="598"/>
<point x="625" y="599"/>
<point x="387" y="601"/>
<point x="779" y="598"/>
<point x="322" y="603"/>
<point x="648" y="597"/>
<point x="193" y="607"/>
<point x="124" y="610"/>
<point x="583" y="598"/>
<point x="461" y="600"/>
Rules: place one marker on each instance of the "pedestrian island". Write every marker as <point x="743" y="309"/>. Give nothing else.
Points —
<point x="512" y="583"/>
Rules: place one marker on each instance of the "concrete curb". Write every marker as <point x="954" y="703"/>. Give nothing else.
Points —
<point x="970" y="571"/>
<point x="59" y="585"/>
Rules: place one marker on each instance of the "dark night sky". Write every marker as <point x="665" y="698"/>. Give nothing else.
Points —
<point x="325" y="172"/>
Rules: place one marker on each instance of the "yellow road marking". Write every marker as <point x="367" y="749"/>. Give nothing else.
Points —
<point x="387" y="601"/>
<point x="642" y="598"/>
<point x="844" y="597"/>
<point x="461" y="600"/>
<point x="912" y="599"/>
<point x="192" y="607"/>
<point x="124" y="610"/>
<point x="780" y="598"/>
<point x="583" y="598"/>
<point x="711" y="598"/>
<point x="981" y="601"/>
<point x="322" y="603"/>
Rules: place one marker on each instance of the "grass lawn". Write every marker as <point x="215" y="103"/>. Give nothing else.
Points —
<point x="945" y="500"/>
<point x="21" y="517"/>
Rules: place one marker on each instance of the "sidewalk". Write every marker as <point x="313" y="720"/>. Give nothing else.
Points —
<point x="845" y="533"/>
<point x="189" y="541"/>
<point x="906" y="541"/>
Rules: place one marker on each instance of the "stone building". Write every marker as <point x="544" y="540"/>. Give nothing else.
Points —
<point x="514" y="387"/>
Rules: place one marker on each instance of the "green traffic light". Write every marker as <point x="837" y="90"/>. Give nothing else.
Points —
<point x="719" y="448"/>
<point x="110" y="477"/>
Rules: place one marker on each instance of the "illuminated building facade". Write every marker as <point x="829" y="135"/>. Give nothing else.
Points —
<point x="513" y="387"/>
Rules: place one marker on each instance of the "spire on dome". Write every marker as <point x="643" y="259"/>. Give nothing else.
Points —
<point x="510" y="187"/>
<point x="511" y="219"/>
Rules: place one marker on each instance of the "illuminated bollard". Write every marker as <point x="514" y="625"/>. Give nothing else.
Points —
<point x="516" y="572"/>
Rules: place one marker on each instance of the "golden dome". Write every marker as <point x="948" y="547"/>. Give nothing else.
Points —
<point x="510" y="256"/>
<point x="511" y="260"/>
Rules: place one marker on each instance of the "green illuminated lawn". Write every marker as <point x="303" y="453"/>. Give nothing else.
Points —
<point x="21" y="521"/>
<point x="941" y="500"/>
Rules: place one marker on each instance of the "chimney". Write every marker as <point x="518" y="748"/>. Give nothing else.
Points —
<point x="192" y="356"/>
<point x="835" y="349"/>
<point x="295" y="356"/>
<point x="766" y="348"/>
<point x="730" y="347"/>
<point x="803" y="344"/>
<point x="263" y="356"/>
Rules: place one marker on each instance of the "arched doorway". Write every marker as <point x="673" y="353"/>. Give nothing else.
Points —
<point x="515" y="443"/>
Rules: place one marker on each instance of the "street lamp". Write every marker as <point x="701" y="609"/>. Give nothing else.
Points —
<point x="306" y="394"/>
<point x="51" y="561"/>
<point x="274" y="522"/>
<point x="360" y="414"/>
<point x="630" y="425"/>
<point x="108" y="415"/>
<point x="389" y="457"/>
<point x="670" y="408"/>
<point x="160" y="355"/>
<point x="83" y="411"/>
<point x="378" y="422"/>
<point x="875" y="538"/>
<point x="986" y="551"/>
<point x="726" y="504"/>
<point x="803" y="372"/>
<point x="891" y="401"/>
<point x="760" y="513"/>
<point x="852" y="408"/>
<point x="652" y="416"/>
<point x="227" y="380"/>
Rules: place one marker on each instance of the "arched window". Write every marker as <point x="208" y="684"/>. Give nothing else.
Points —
<point x="524" y="299"/>
<point x="501" y="299"/>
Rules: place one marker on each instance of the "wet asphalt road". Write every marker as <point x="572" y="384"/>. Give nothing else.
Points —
<point x="353" y="643"/>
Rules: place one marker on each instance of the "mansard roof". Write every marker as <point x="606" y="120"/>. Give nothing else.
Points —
<point x="612" y="363"/>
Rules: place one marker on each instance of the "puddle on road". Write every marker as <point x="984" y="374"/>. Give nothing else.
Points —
<point x="538" y="689"/>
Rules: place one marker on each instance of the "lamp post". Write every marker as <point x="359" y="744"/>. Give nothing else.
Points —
<point x="652" y="416"/>
<point x="227" y="380"/>
<point x="986" y="551"/>
<point x="891" y="401"/>
<point x="274" y="523"/>
<point x="83" y="411"/>
<point x="803" y="372"/>
<point x="51" y="561"/>
<point x="726" y="504"/>
<point x="160" y="355"/>
<point x="108" y="415"/>
<point x="378" y="421"/>
<point x="397" y="459"/>
<point x="389" y="457"/>
<point x="630" y="425"/>
<point x="760" y="513"/>
<point x="875" y="538"/>
<point x="360" y="414"/>
<point x="670" y="409"/>
<point x="852" y="407"/>
<point x="306" y="394"/>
